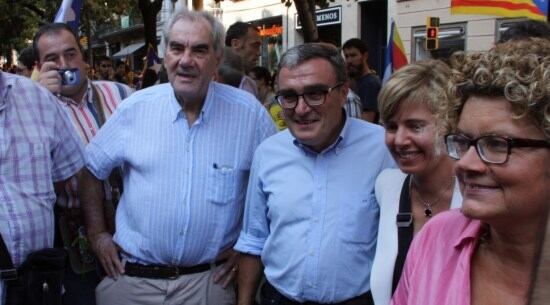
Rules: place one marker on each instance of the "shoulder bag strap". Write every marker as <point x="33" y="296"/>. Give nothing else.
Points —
<point x="7" y="270"/>
<point x="404" y="222"/>
<point x="98" y="106"/>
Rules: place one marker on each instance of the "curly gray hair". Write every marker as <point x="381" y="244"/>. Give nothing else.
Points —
<point x="519" y="71"/>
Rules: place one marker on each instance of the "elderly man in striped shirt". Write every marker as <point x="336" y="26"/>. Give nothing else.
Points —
<point x="88" y="105"/>
<point x="186" y="149"/>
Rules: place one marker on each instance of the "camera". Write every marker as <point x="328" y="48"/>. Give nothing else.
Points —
<point x="69" y="76"/>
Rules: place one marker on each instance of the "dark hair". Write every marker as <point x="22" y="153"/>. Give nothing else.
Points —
<point x="120" y="63"/>
<point x="49" y="29"/>
<point x="356" y="43"/>
<point x="231" y="69"/>
<point x="261" y="73"/>
<point x="27" y="58"/>
<point x="103" y="58"/>
<point x="237" y="30"/>
<point x="149" y="78"/>
<point x="526" y="29"/>
<point x="299" y="54"/>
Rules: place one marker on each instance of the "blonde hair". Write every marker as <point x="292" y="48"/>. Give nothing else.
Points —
<point x="421" y="82"/>
<point x="517" y="70"/>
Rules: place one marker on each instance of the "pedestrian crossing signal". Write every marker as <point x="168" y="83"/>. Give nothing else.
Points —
<point x="432" y="31"/>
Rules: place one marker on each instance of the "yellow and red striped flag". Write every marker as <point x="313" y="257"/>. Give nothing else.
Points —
<point x="533" y="9"/>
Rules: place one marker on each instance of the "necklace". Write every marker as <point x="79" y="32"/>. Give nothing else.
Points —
<point x="427" y="204"/>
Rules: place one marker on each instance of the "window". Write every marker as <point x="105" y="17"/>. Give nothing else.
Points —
<point x="452" y="38"/>
<point x="503" y="24"/>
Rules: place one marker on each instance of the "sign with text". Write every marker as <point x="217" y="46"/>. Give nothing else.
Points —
<point x="328" y="16"/>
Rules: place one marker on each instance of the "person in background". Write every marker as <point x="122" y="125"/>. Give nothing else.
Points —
<point x="365" y="81"/>
<point x="311" y="216"/>
<point x="121" y="73"/>
<point x="26" y="62"/>
<point x="499" y="112"/>
<point x="88" y="104"/>
<point x="105" y="69"/>
<point x="263" y="80"/>
<point x="231" y="69"/>
<point x="148" y="78"/>
<point x="424" y="184"/>
<point x="186" y="148"/>
<point x="244" y="39"/>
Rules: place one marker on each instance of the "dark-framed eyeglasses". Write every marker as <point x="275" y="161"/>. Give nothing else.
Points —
<point x="315" y="97"/>
<point x="492" y="149"/>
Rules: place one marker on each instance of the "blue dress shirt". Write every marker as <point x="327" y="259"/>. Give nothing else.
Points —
<point x="183" y="187"/>
<point x="312" y="217"/>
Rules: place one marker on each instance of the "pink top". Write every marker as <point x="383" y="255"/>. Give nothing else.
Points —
<point x="437" y="269"/>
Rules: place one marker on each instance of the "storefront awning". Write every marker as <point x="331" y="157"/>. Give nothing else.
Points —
<point x="128" y="50"/>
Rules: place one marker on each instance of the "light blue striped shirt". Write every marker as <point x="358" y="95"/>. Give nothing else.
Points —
<point x="184" y="187"/>
<point x="312" y="217"/>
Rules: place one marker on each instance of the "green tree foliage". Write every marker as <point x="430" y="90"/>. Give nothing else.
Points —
<point x="21" y="18"/>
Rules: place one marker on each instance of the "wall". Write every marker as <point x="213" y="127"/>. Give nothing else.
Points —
<point x="480" y="29"/>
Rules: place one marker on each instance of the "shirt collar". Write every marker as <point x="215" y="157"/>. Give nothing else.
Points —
<point x="87" y="96"/>
<point x="340" y="142"/>
<point x="469" y="233"/>
<point x="206" y="110"/>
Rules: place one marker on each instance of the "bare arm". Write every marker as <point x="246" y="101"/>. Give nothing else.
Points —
<point x="250" y="271"/>
<point x="90" y="191"/>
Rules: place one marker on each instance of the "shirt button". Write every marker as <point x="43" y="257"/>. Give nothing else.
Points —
<point x="181" y="233"/>
<point x="311" y="254"/>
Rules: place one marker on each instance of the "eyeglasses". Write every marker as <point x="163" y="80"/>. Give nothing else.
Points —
<point x="490" y="148"/>
<point x="315" y="97"/>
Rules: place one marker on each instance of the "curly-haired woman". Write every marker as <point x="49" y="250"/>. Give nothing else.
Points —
<point x="500" y="116"/>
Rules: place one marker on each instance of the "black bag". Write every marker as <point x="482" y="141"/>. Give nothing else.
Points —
<point x="39" y="279"/>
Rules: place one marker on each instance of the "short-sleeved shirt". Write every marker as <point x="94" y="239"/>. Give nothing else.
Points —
<point x="367" y="87"/>
<point x="38" y="146"/>
<point x="184" y="186"/>
<point x="86" y="120"/>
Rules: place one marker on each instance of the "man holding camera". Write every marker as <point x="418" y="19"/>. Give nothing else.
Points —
<point x="88" y="104"/>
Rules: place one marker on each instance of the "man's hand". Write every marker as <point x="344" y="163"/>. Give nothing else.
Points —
<point x="228" y="272"/>
<point x="107" y="252"/>
<point x="49" y="77"/>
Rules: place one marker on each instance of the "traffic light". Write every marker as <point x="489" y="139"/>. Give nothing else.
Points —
<point x="432" y="31"/>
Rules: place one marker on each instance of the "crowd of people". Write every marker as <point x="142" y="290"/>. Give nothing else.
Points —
<point x="226" y="184"/>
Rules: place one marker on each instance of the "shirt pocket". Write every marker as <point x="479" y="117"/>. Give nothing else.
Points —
<point x="33" y="169"/>
<point x="221" y="184"/>
<point x="359" y="220"/>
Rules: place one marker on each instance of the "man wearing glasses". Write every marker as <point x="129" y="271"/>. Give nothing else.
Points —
<point x="311" y="216"/>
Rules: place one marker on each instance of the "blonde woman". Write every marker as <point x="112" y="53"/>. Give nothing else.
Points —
<point x="424" y="184"/>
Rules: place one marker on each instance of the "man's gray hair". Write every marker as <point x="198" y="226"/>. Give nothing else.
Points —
<point x="299" y="54"/>
<point x="218" y="31"/>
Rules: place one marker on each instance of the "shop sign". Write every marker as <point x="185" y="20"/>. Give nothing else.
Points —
<point x="274" y="30"/>
<point x="328" y="16"/>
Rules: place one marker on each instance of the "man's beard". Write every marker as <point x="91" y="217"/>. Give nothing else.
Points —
<point x="355" y="71"/>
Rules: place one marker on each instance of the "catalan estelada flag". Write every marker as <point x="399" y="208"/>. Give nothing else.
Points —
<point x="395" y="53"/>
<point x="69" y="13"/>
<point x="533" y="9"/>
